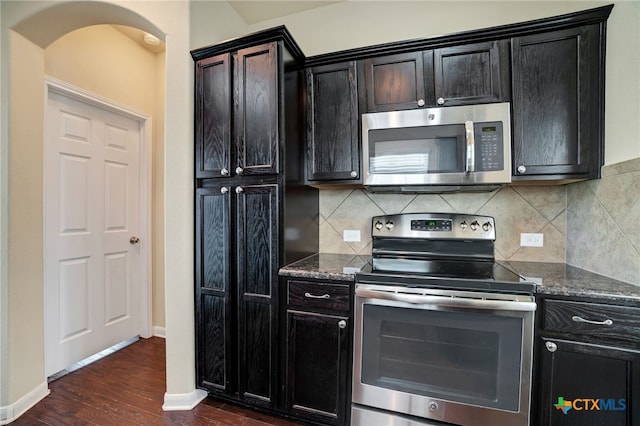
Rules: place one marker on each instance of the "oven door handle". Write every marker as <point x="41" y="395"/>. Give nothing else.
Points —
<point x="454" y="302"/>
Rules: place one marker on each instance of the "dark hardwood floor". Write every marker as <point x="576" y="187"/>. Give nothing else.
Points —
<point x="127" y="388"/>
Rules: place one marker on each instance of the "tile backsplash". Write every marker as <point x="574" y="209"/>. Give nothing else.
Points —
<point x="603" y="223"/>
<point x="516" y="209"/>
<point x="592" y="225"/>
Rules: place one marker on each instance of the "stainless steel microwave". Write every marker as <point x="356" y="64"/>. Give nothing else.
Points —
<point x="449" y="149"/>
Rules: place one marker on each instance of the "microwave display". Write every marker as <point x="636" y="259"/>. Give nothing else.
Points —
<point x="488" y="147"/>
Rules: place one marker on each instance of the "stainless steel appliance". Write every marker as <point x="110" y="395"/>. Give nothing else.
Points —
<point x="460" y="148"/>
<point x="443" y="332"/>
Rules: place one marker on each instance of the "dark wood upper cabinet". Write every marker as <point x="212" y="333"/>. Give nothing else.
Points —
<point x="472" y="73"/>
<point x="558" y="104"/>
<point x="396" y="82"/>
<point x="256" y="109"/>
<point x="213" y="117"/>
<point x="333" y="145"/>
<point x="466" y="74"/>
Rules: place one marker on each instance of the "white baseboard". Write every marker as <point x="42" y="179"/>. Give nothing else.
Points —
<point x="11" y="412"/>
<point x="159" y="332"/>
<point x="183" y="401"/>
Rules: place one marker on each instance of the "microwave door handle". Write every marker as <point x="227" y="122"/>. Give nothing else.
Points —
<point x="471" y="163"/>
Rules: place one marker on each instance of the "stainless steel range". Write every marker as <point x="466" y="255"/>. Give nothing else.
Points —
<point x="443" y="332"/>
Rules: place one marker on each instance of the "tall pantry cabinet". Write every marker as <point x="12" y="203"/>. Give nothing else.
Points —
<point x="253" y="213"/>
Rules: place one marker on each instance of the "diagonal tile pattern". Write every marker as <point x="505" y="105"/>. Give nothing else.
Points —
<point x="516" y="209"/>
<point x="603" y="235"/>
<point x="592" y="225"/>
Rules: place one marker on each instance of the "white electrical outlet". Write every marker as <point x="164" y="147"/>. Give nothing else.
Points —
<point x="351" y="236"/>
<point x="531" y="240"/>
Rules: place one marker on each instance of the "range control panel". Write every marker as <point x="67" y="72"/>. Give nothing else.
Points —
<point x="434" y="226"/>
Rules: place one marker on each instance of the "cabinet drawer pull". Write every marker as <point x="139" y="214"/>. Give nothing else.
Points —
<point x="311" y="296"/>
<point x="580" y="319"/>
<point x="342" y="324"/>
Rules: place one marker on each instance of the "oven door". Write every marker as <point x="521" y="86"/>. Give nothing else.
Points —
<point x="451" y="356"/>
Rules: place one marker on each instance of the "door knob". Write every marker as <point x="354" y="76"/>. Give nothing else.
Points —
<point x="134" y="240"/>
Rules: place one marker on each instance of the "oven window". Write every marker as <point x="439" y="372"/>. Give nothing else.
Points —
<point x="417" y="150"/>
<point x="466" y="357"/>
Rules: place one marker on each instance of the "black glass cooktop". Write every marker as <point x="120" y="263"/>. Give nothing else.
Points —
<point x="484" y="275"/>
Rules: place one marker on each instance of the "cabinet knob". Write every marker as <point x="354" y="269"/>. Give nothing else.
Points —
<point x="224" y="171"/>
<point x="420" y="102"/>
<point x="224" y="190"/>
<point x="354" y="174"/>
<point x="342" y="324"/>
<point x="522" y="169"/>
<point x="551" y="347"/>
<point x="134" y="240"/>
<point x="440" y="101"/>
<point x="239" y="190"/>
<point x="239" y="170"/>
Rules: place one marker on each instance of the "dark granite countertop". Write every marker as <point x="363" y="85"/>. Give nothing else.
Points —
<point x="326" y="266"/>
<point x="552" y="278"/>
<point x="565" y="280"/>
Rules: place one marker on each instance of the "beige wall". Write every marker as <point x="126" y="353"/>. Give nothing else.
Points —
<point x="25" y="215"/>
<point x="352" y="24"/>
<point x="26" y="29"/>
<point x="102" y="60"/>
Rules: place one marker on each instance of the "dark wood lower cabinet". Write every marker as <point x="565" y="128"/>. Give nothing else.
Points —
<point x="316" y="365"/>
<point x="587" y="385"/>
<point x="588" y="363"/>
<point x="236" y="291"/>
<point x="317" y="374"/>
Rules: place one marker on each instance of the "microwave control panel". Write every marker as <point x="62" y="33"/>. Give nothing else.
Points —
<point x="488" y="146"/>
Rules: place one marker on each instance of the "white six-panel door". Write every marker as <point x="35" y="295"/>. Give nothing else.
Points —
<point x="92" y="267"/>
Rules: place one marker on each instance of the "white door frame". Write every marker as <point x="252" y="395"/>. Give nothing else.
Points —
<point x="53" y="85"/>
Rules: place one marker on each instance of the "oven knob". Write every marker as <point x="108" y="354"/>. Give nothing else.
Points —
<point x="486" y="227"/>
<point x="474" y="225"/>
<point x="389" y="225"/>
<point x="378" y="225"/>
<point x="463" y="225"/>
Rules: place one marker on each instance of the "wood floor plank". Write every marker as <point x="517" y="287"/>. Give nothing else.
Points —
<point x="127" y="388"/>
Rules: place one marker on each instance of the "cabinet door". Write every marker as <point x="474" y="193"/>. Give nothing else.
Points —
<point x="471" y="74"/>
<point x="213" y="117"/>
<point x="213" y="310"/>
<point x="587" y="385"/>
<point x="332" y="123"/>
<point x="397" y="82"/>
<point x="257" y="277"/>
<point x="257" y="106"/>
<point x="317" y="366"/>
<point x="557" y="104"/>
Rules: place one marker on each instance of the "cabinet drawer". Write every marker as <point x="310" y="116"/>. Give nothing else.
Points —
<point x="593" y="319"/>
<point x="318" y="295"/>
